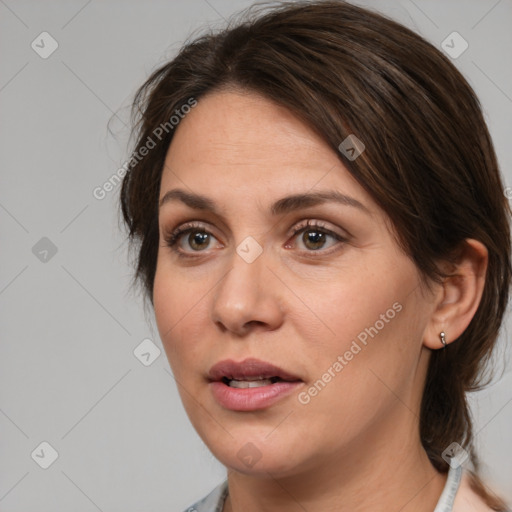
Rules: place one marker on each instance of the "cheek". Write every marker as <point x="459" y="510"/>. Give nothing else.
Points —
<point x="378" y="323"/>
<point x="177" y="305"/>
<point x="166" y="304"/>
<point x="371" y="320"/>
<point x="349" y="305"/>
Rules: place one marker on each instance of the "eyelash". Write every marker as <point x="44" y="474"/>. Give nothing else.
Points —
<point x="320" y="227"/>
<point x="172" y="238"/>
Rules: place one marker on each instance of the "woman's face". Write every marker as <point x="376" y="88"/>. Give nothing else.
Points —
<point x="290" y="262"/>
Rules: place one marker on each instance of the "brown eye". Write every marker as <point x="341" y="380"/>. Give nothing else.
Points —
<point x="198" y="240"/>
<point x="313" y="239"/>
<point x="190" y="239"/>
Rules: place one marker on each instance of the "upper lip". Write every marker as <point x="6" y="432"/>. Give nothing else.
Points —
<point x="248" y="368"/>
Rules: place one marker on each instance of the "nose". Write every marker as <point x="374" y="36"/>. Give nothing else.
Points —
<point x="248" y="297"/>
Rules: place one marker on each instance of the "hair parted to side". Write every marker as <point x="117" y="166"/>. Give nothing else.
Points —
<point x="429" y="161"/>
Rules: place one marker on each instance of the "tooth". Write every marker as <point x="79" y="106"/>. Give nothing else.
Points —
<point x="249" y="383"/>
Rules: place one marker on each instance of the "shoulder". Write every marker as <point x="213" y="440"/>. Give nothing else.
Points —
<point x="213" y="502"/>
<point x="467" y="500"/>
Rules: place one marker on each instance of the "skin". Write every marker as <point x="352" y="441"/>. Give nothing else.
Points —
<point x="355" y="446"/>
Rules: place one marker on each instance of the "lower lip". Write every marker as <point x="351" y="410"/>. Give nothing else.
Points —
<point x="251" y="399"/>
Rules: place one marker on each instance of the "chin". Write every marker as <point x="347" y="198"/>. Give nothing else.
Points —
<point x="255" y="456"/>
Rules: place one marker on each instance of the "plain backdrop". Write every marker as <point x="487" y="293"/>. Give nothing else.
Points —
<point x="69" y="377"/>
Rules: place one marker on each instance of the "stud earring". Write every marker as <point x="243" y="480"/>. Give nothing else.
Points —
<point x="442" y="335"/>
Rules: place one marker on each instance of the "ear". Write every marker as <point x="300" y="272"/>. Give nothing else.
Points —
<point x="459" y="295"/>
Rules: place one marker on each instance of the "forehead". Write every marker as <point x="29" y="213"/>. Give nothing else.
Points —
<point x="245" y="119"/>
<point x="238" y="128"/>
<point x="242" y="142"/>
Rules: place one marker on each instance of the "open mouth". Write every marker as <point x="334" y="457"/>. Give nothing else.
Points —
<point x="253" y="382"/>
<point x="249" y="373"/>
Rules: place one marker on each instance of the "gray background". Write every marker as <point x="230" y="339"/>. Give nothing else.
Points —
<point x="68" y="374"/>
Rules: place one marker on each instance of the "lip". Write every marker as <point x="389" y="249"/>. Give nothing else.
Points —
<point x="248" y="368"/>
<point x="250" y="399"/>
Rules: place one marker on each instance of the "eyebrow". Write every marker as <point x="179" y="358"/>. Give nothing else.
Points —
<point x="280" y="207"/>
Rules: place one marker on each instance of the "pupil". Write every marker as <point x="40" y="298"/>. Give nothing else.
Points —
<point x="313" y="239"/>
<point x="198" y="239"/>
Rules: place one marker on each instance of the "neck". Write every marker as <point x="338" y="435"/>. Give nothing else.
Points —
<point x="384" y="470"/>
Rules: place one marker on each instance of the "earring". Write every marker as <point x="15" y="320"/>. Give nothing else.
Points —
<point x="442" y="335"/>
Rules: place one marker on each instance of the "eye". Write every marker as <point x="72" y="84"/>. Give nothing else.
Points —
<point x="198" y="240"/>
<point x="316" y="237"/>
<point x="190" y="237"/>
<point x="193" y="238"/>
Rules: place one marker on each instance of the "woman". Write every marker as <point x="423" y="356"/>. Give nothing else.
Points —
<point x="325" y="241"/>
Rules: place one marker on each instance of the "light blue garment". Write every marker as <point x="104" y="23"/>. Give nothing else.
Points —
<point x="445" y="503"/>
<point x="214" y="502"/>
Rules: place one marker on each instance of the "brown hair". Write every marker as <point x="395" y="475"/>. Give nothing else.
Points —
<point x="429" y="161"/>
